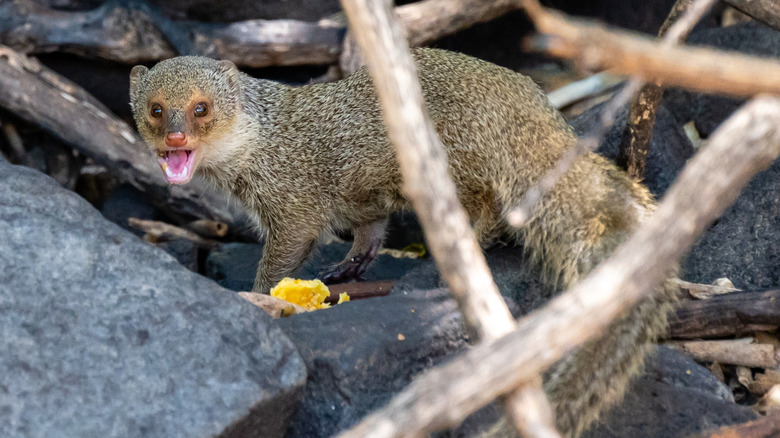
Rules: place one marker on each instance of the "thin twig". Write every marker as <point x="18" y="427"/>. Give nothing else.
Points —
<point x="433" y="194"/>
<point x="638" y="132"/>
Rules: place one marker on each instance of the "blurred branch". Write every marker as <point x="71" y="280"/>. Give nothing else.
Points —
<point x="700" y="69"/>
<point x="434" y="196"/>
<point x="444" y="396"/>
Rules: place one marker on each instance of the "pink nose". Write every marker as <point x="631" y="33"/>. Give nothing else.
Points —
<point x="176" y="139"/>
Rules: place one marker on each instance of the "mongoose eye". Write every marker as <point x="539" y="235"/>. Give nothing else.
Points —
<point x="156" y="111"/>
<point x="201" y="109"/>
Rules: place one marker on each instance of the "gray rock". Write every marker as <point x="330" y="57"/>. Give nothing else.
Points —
<point x="104" y="335"/>
<point x="234" y="265"/>
<point x="517" y="279"/>
<point x="672" y="368"/>
<point x="655" y="410"/>
<point x="356" y="359"/>
<point x="744" y="244"/>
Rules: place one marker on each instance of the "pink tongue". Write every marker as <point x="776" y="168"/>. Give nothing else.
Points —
<point x="177" y="160"/>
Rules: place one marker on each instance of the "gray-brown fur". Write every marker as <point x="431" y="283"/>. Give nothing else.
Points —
<point x="313" y="158"/>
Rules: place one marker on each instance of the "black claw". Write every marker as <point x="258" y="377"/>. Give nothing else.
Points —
<point x="352" y="269"/>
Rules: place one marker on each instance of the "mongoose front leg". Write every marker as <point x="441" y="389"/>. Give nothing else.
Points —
<point x="283" y="253"/>
<point x="368" y="240"/>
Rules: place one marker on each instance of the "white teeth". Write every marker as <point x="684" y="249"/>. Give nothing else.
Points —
<point x="168" y="172"/>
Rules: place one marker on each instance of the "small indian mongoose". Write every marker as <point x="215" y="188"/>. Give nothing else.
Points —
<point x="317" y="157"/>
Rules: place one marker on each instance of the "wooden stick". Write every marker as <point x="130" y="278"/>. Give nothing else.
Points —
<point x="275" y="307"/>
<point x="423" y="163"/>
<point x="160" y="231"/>
<point x="360" y="290"/>
<point x="444" y="396"/>
<point x="427" y="21"/>
<point x="704" y="291"/>
<point x="635" y="144"/>
<point x="765" y="11"/>
<point x="133" y="32"/>
<point x="736" y="313"/>
<point x="744" y="352"/>
<point x="764" y="427"/>
<point x="700" y="69"/>
<point x="208" y="228"/>
<point x="579" y="90"/>
<point x="41" y="96"/>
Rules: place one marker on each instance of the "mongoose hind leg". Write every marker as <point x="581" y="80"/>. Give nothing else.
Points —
<point x="368" y="240"/>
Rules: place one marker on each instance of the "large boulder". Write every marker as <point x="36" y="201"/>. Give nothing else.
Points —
<point x="744" y="244"/>
<point x="104" y="335"/>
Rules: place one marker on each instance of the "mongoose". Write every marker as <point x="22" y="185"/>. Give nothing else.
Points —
<point x="317" y="157"/>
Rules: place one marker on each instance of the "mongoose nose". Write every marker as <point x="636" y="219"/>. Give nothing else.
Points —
<point x="176" y="139"/>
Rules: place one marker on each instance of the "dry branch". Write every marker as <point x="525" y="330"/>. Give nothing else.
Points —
<point x="208" y="228"/>
<point x="744" y="352"/>
<point x="700" y="69"/>
<point x="429" y="20"/>
<point x="360" y="290"/>
<point x="635" y="144"/>
<point x="157" y="231"/>
<point x="275" y="307"/>
<point x="427" y="183"/>
<point x="732" y="314"/>
<point x="133" y="32"/>
<point x="765" y="427"/>
<point x="40" y="96"/>
<point x="765" y="11"/>
<point x="446" y="395"/>
<point x="576" y="91"/>
<point x="704" y="291"/>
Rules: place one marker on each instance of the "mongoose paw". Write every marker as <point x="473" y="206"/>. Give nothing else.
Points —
<point x="348" y="270"/>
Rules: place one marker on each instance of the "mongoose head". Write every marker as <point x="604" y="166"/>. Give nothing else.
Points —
<point x="182" y="107"/>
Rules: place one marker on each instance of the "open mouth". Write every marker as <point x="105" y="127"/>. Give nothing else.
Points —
<point x="178" y="165"/>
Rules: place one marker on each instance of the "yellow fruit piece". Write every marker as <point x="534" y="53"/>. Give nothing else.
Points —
<point x="310" y="294"/>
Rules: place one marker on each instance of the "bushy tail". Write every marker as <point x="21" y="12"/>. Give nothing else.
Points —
<point x="591" y="210"/>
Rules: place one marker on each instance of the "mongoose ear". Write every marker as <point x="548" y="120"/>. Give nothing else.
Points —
<point x="231" y="72"/>
<point x="135" y="77"/>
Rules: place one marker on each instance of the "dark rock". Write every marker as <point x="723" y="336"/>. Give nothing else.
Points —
<point x="706" y="110"/>
<point x="234" y="265"/>
<point x="744" y="244"/>
<point x="185" y="251"/>
<point x="104" y="335"/>
<point x="356" y="360"/>
<point x="517" y="279"/>
<point x="125" y="202"/>
<point x="670" y="367"/>
<point x="653" y="408"/>
<point x="670" y="148"/>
